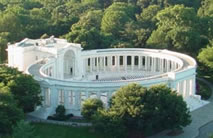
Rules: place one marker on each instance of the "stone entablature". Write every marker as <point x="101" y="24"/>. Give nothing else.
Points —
<point x="68" y="75"/>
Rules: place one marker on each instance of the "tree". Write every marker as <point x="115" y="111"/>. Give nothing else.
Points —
<point x="206" y="55"/>
<point x="148" y="16"/>
<point x="3" y="46"/>
<point x="115" y="18"/>
<point x="10" y="113"/>
<point x="11" y="23"/>
<point x="25" y="89"/>
<point x="138" y="32"/>
<point x="24" y="129"/>
<point x="170" y="110"/>
<point x="177" y="29"/>
<point x="90" y="107"/>
<point x="149" y="110"/>
<point x="87" y="31"/>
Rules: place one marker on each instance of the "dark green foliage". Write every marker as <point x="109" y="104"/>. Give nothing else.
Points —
<point x="24" y="88"/>
<point x="144" y="110"/>
<point x="90" y="107"/>
<point x="167" y="3"/>
<point x="60" y="110"/>
<point x="10" y="113"/>
<point x="26" y="91"/>
<point x="109" y="124"/>
<point x="59" y="131"/>
<point x="170" y="111"/>
<point x="109" y="23"/>
<point x="178" y="29"/>
<point x="24" y="130"/>
<point x="203" y="90"/>
<point x="115" y="18"/>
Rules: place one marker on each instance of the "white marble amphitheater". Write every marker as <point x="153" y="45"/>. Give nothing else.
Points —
<point x="68" y="74"/>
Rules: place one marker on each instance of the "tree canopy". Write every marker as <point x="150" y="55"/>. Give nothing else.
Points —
<point x="25" y="90"/>
<point x="206" y="55"/>
<point x="180" y="25"/>
<point x="10" y="113"/>
<point x="177" y="29"/>
<point x="145" y="110"/>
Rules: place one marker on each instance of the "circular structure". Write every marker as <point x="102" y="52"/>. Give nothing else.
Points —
<point x="68" y="75"/>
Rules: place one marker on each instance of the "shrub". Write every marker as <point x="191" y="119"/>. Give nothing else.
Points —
<point x="24" y="130"/>
<point x="90" y="107"/>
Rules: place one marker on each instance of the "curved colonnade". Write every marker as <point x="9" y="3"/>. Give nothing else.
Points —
<point x="74" y="76"/>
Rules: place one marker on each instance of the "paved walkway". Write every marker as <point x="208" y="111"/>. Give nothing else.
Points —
<point x="202" y="121"/>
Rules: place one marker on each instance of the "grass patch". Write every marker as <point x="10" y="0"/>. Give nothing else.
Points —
<point x="57" y="131"/>
<point x="204" y="90"/>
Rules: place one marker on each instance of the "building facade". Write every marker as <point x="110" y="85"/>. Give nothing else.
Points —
<point x="68" y="75"/>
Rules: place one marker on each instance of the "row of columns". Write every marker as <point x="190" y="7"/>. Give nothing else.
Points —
<point x="71" y="98"/>
<point x="186" y="87"/>
<point x="49" y="71"/>
<point x="121" y="63"/>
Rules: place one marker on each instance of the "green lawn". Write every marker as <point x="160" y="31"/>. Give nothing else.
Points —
<point x="57" y="131"/>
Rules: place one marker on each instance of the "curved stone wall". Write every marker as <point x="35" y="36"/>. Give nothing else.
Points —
<point x="99" y="73"/>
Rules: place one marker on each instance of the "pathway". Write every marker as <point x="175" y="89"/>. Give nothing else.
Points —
<point x="200" y="125"/>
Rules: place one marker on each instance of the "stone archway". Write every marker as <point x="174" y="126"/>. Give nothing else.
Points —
<point x="69" y="64"/>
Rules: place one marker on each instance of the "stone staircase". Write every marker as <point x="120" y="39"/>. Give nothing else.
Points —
<point x="194" y="102"/>
<point x="42" y="112"/>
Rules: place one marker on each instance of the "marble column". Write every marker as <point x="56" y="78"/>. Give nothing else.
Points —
<point x="168" y="65"/>
<point x="118" y="63"/>
<point x="125" y="62"/>
<point x="132" y="62"/>
<point x="77" y="99"/>
<point x="104" y="64"/>
<point x="54" y="96"/>
<point x="139" y="62"/>
<point x="66" y="99"/>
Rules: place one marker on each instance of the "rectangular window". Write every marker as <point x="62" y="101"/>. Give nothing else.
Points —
<point x="143" y="61"/>
<point x="164" y="63"/>
<point x="113" y="60"/>
<point x="105" y="61"/>
<point x="96" y="61"/>
<point x="83" y="96"/>
<point x="88" y="61"/>
<point x="61" y="97"/>
<point x="121" y="60"/>
<point x="99" y="61"/>
<point x="170" y="64"/>
<point x="129" y="60"/>
<point x="50" y="71"/>
<point x="136" y="60"/>
<point x="71" y="97"/>
<point x="47" y="96"/>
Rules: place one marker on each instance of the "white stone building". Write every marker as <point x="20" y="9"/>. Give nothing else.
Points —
<point x="68" y="75"/>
